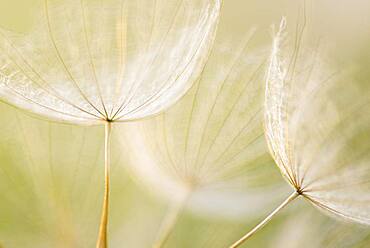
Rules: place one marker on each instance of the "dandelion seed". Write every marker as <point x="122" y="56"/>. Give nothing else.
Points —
<point x="100" y="63"/>
<point x="207" y="152"/>
<point x="317" y="130"/>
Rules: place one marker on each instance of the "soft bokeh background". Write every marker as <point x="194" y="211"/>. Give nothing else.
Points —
<point x="51" y="174"/>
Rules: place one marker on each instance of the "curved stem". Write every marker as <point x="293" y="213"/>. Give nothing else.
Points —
<point x="102" y="238"/>
<point x="265" y="221"/>
<point x="169" y="221"/>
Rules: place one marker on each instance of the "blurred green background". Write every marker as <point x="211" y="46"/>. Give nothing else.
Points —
<point x="51" y="174"/>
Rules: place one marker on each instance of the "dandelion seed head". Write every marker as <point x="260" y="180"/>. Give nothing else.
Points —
<point x="210" y="144"/>
<point x="317" y="129"/>
<point x="86" y="62"/>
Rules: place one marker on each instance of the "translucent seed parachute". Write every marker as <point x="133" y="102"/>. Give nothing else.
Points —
<point x="209" y="147"/>
<point x="88" y="62"/>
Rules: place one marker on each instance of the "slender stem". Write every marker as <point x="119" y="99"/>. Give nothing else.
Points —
<point x="102" y="238"/>
<point x="169" y="221"/>
<point x="265" y="221"/>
